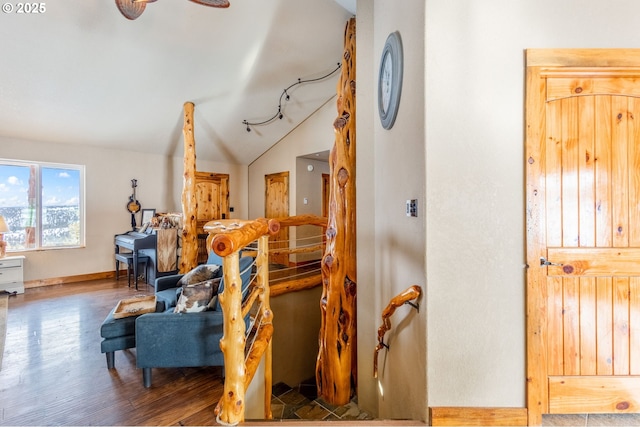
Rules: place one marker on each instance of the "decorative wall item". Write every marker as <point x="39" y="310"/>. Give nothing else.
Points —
<point x="133" y="205"/>
<point x="147" y="216"/>
<point x="390" y="80"/>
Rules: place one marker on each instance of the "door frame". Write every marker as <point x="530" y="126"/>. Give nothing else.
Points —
<point x="539" y="64"/>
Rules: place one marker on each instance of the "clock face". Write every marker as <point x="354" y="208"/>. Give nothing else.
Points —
<point x="390" y="80"/>
<point x="385" y="82"/>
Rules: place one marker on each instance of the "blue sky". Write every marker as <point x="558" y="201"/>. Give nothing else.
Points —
<point x="61" y="187"/>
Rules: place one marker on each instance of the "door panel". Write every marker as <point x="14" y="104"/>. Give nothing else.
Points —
<point x="212" y="195"/>
<point x="277" y="206"/>
<point x="572" y="207"/>
<point x="583" y="219"/>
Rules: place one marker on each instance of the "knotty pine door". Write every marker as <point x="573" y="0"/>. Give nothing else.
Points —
<point x="583" y="231"/>
<point x="277" y="206"/>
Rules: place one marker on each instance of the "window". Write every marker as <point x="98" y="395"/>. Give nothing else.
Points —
<point x="43" y="204"/>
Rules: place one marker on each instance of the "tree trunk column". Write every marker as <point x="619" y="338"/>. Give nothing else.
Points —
<point x="189" y="254"/>
<point x="336" y="367"/>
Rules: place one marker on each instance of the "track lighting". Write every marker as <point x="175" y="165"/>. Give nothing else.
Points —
<point x="286" y="96"/>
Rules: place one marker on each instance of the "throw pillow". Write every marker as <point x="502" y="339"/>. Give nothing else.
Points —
<point x="199" y="274"/>
<point x="195" y="298"/>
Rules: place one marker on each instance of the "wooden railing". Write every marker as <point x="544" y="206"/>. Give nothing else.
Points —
<point x="242" y="356"/>
<point x="300" y="276"/>
<point x="411" y="293"/>
<point x="243" y="348"/>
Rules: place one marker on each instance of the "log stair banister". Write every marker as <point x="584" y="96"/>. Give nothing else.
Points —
<point x="227" y="238"/>
<point x="305" y="219"/>
<point x="295" y="283"/>
<point x="411" y="293"/>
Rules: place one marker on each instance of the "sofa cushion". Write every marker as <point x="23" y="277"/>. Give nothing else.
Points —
<point x="200" y="274"/>
<point x="195" y="298"/>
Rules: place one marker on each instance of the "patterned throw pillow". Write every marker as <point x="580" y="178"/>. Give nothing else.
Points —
<point x="199" y="274"/>
<point x="196" y="298"/>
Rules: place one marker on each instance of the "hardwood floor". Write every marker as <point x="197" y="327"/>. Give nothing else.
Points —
<point x="53" y="372"/>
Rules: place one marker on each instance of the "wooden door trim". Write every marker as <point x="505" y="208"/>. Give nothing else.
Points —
<point x="537" y="393"/>
<point x="582" y="57"/>
<point x="477" y="416"/>
<point x="542" y="63"/>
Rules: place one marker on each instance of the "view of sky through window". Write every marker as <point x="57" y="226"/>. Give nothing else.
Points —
<point x="60" y="187"/>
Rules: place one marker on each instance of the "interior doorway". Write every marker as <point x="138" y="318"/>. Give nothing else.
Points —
<point x="212" y="195"/>
<point x="583" y="231"/>
<point x="276" y="206"/>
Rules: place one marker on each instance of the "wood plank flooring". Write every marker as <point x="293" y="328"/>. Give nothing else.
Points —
<point x="53" y="372"/>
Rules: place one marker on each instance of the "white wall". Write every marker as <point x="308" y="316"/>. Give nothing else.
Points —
<point x="311" y="136"/>
<point x="475" y="187"/>
<point x="391" y="246"/>
<point x="108" y="187"/>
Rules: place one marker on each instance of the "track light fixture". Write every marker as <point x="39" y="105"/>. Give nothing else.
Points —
<point x="285" y="95"/>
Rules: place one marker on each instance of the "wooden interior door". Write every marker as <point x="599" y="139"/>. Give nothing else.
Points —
<point x="583" y="231"/>
<point x="212" y="194"/>
<point x="276" y="206"/>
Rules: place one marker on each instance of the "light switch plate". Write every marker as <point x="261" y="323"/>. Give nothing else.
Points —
<point x="412" y="207"/>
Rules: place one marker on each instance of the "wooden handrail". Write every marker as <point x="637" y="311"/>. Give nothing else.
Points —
<point x="237" y="238"/>
<point x="411" y="293"/>
<point x="227" y="238"/>
<point x="294" y="285"/>
<point x="305" y="219"/>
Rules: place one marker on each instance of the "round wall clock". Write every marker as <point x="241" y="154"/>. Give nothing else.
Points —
<point x="390" y="80"/>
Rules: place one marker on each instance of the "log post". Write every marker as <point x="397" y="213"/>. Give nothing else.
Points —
<point x="231" y="238"/>
<point x="189" y="255"/>
<point x="232" y="343"/>
<point x="262" y="263"/>
<point x="336" y="364"/>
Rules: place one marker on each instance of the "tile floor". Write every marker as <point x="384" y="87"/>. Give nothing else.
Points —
<point x="588" y="420"/>
<point x="302" y="402"/>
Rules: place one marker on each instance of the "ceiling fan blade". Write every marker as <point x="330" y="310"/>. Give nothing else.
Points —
<point x="130" y="8"/>
<point x="213" y="3"/>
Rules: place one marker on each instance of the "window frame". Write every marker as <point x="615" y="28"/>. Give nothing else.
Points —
<point x="39" y="203"/>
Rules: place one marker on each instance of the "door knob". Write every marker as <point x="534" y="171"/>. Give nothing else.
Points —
<point x="544" y="262"/>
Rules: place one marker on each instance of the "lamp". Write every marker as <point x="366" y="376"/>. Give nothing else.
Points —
<point x="3" y="229"/>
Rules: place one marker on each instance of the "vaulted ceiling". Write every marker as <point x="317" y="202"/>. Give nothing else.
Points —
<point x="81" y="73"/>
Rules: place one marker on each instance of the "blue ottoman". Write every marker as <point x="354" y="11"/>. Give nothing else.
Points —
<point x="119" y="334"/>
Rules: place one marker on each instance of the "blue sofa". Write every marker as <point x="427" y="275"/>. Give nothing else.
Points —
<point x="174" y="340"/>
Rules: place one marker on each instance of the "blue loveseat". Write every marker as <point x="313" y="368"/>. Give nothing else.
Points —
<point x="174" y="340"/>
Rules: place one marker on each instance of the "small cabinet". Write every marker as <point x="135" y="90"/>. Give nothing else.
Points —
<point x="11" y="274"/>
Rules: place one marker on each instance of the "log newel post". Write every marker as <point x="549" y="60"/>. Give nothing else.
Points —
<point x="189" y="254"/>
<point x="232" y="343"/>
<point x="337" y="356"/>
<point x="227" y="240"/>
<point x="262" y="265"/>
